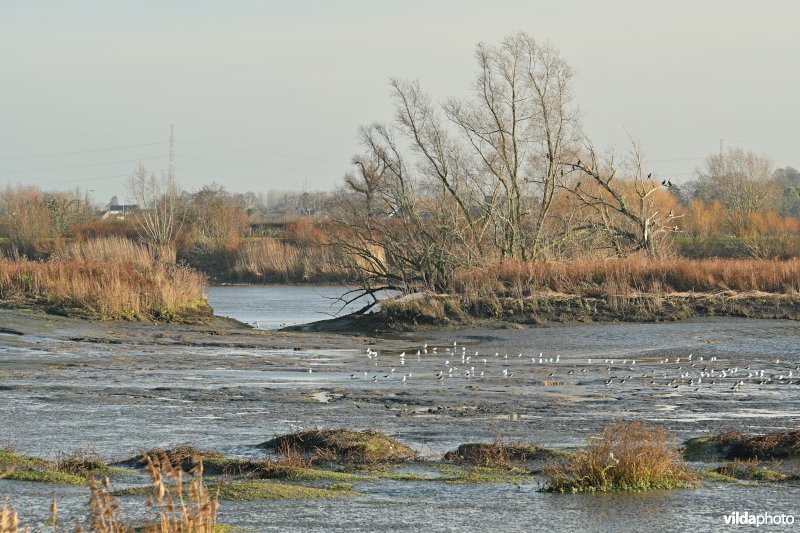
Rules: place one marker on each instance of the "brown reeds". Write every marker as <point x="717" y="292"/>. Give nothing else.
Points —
<point x="626" y="456"/>
<point x="176" y="508"/>
<point x="274" y="261"/>
<point x="630" y="276"/>
<point x="104" y="289"/>
<point x="116" y="249"/>
<point x="9" y="520"/>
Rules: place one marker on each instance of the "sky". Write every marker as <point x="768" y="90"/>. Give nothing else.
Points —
<point x="270" y="94"/>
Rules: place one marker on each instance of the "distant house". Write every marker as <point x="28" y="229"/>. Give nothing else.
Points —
<point x="119" y="211"/>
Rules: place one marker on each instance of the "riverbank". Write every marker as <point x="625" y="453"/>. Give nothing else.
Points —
<point x="426" y="312"/>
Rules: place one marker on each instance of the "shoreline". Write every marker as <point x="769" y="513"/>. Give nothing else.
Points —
<point x="443" y="312"/>
<point x="425" y="312"/>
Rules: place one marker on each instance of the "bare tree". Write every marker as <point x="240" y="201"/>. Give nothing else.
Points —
<point x="520" y="127"/>
<point x="450" y="186"/>
<point x="625" y="201"/>
<point x="25" y="219"/>
<point x="162" y="212"/>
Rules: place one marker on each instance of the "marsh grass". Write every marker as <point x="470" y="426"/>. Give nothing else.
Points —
<point x="105" y="289"/>
<point x="23" y="468"/>
<point x="629" y="456"/>
<point x="629" y="276"/>
<point x="495" y="454"/>
<point x="9" y="519"/>
<point x="175" y="507"/>
<point x="343" y="445"/>
<point x="180" y="456"/>
<point x="113" y="248"/>
<point x="80" y="463"/>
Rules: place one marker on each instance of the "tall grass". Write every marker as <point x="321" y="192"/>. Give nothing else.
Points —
<point x="104" y="289"/>
<point x="629" y="276"/>
<point x="626" y="456"/>
<point x="118" y="249"/>
<point x="273" y="261"/>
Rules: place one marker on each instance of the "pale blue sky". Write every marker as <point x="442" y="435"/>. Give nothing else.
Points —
<point x="267" y="94"/>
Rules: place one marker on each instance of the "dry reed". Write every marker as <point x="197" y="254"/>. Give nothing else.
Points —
<point x="104" y="289"/>
<point x="116" y="249"/>
<point x="273" y="261"/>
<point x="630" y="276"/>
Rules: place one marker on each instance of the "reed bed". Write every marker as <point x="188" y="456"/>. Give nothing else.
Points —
<point x="274" y="261"/>
<point x="630" y="276"/>
<point x="105" y="289"/>
<point x="117" y="249"/>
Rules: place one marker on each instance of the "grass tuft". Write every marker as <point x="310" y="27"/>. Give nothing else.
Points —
<point x="625" y="457"/>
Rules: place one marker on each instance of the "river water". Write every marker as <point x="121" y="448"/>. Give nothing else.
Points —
<point x="277" y="306"/>
<point x="123" y="388"/>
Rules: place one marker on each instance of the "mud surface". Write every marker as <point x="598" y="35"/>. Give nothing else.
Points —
<point x="120" y="388"/>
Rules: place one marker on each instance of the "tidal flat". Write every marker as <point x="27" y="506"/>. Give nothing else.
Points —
<point x="121" y="388"/>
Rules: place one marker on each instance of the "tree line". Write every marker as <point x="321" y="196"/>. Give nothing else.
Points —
<point x="506" y="174"/>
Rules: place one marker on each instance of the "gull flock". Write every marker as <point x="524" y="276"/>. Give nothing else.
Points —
<point x="452" y="362"/>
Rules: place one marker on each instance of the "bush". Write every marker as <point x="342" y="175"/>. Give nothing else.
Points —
<point x="626" y="456"/>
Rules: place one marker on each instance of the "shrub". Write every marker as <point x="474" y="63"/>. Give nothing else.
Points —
<point x="626" y="456"/>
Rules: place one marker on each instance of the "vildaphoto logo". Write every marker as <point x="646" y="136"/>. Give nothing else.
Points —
<point x="757" y="519"/>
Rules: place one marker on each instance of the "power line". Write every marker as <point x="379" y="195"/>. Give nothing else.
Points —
<point x="83" y="165"/>
<point x="246" y="163"/>
<point x="78" y="136"/>
<point x="294" y="180"/>
<point x="259" y="152"/>
<point x="97" y="178"/>
<point x="58" y="154"/>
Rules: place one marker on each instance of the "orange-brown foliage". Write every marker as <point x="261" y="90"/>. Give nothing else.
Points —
<point x="105" y="289"/>
<point x="630" y="276"/>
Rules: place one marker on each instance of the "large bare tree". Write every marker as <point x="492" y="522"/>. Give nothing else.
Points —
<point x="520" y="126"/>
<point x="450" y="185"/>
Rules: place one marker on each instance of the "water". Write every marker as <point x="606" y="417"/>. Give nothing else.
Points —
<point x="276" y="306"/>
<point x="64" y="385"/>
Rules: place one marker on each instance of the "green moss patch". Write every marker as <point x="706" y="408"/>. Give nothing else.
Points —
<point x="270" y="470"/>
<point x="23" y="468"/>
<point x="750" y="471"/>
<point x="44" y="476"/>
<point x="483" y="474"/>
<point x="270" y="490"/>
